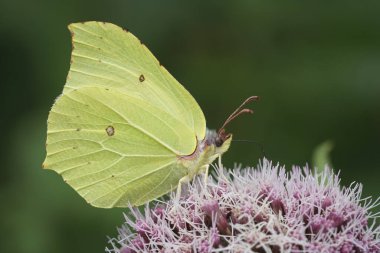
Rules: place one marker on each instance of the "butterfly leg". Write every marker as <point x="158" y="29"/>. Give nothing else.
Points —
<point x="182" y="181"/>
<point x="206" y="174"/>
<point x="220" y="165"/>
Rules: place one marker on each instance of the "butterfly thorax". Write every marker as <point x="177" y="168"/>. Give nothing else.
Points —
<point x="207" y="150"/>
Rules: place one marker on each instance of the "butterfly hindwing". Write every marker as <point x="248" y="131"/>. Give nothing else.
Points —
<point x="102" y="144"/>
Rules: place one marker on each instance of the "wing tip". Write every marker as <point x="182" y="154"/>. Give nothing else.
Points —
<point x="83" y="23"/>
<point x="73" y="26"/>
<point x="45" y="164"/>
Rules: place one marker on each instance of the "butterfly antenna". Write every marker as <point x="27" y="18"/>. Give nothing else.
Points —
<point x="239" y="111"/>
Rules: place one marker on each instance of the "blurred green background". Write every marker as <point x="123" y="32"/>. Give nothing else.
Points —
<point x="316" y="66"/>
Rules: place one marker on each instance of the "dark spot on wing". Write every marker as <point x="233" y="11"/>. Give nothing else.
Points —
<point x="142" y="78"/>
<point x="78" y="129"/>
<point x="110" y="130"/>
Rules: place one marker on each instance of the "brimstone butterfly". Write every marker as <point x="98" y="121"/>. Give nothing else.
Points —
<point x="124" y="131"/>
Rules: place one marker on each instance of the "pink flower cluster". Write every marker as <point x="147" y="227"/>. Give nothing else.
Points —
<point x="256" y="210"/>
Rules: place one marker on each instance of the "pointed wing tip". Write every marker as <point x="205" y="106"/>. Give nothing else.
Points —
<point x="82" y="23"/>
<point x="72" y="26"/>
<point x="45" y="165"/>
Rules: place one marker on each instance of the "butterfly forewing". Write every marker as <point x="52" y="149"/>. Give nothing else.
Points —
<point x="105" y="55"/>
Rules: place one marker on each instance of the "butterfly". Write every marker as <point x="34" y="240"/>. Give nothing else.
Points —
<point x="124" y="131"/>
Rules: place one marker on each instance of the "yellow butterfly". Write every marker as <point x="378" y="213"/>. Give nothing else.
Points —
<point x="124" y="131"/>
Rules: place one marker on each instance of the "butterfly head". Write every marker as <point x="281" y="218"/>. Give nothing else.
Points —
<point x="220" y="139"/>
<point x="220" y="143"/>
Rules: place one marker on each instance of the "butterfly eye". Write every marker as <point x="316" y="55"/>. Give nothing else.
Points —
<point x="218" y="142"/>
